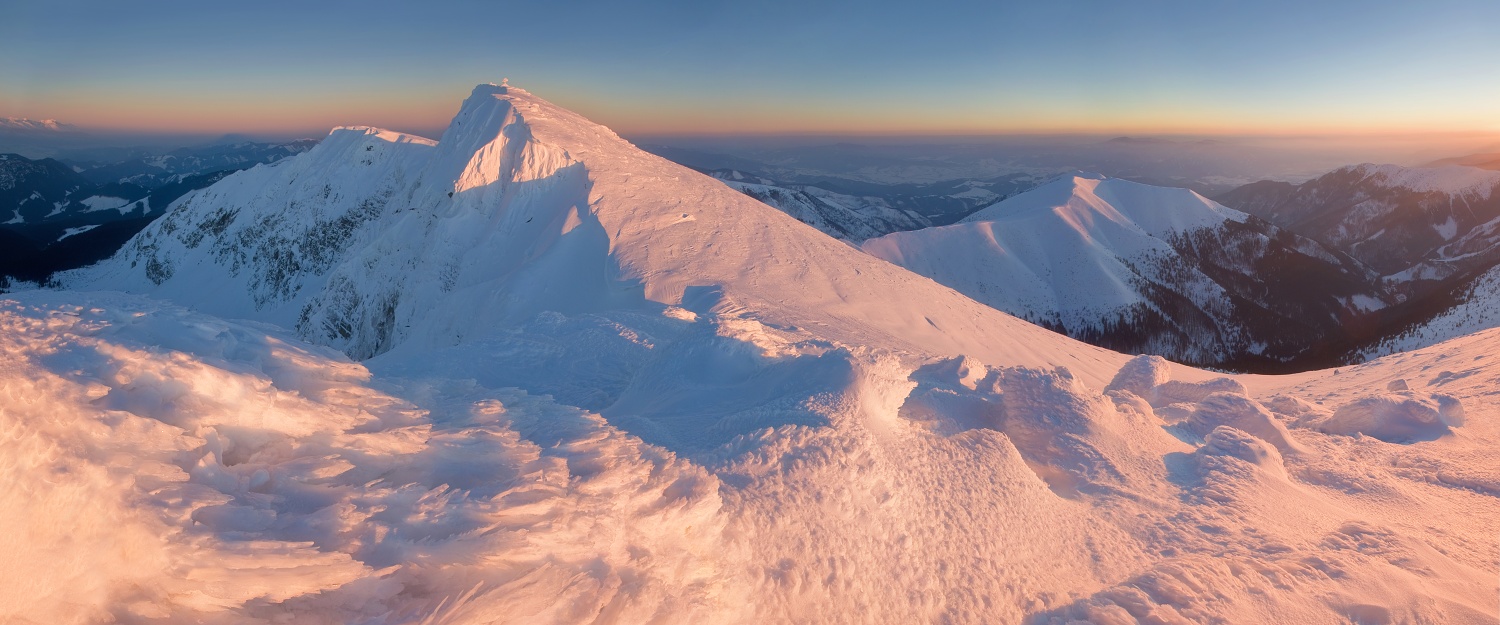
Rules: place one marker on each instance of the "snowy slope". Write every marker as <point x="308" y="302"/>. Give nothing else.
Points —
<point x="1140" y="268"/>
<point x="838" y="215"/>
<point x="374" y="240"/>
<point x="644" y="397"/>
<point x="165" y="466"/>
<point x="1061" y="247"/>
<point x="1477" y="308"/>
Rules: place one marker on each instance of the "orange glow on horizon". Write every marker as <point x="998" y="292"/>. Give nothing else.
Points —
<point x="264" y="113"/>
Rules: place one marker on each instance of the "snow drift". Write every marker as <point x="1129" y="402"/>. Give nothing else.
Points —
<point x="171" y="467"/>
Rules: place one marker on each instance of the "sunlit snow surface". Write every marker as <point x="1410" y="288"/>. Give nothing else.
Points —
<point x="727" y="417"/>
<point x="165" y="466"/>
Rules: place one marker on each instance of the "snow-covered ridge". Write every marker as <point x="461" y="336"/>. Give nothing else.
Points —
<point x="1083" y="198"/>
<point x="1449" y="179"/>
<point x="370" y="241"/>
<point x="1137" y="267"/>
<point x="378" y="133"/>
<point x="1477" y="309"/>
<point x="22" y="123"/>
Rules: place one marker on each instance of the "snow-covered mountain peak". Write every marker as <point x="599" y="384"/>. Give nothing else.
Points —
<point x="21" y="123"/>
<point x="492" y="143"/>
<point x="1083" y="199"/>
<point x="1078" y="177"/>
<point x="375" y="241"/>
<point x="1150" y="269"/>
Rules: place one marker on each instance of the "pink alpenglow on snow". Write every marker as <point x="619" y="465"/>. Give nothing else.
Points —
<point x="528" y="373"/>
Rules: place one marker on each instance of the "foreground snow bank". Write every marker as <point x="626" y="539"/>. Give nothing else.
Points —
<point x="169" y="467"/>
<point x="1397" y="417"/>
<point x="166" y="465"/>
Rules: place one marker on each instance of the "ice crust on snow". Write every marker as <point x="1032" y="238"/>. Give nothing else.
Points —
<point x="574" y="405"/>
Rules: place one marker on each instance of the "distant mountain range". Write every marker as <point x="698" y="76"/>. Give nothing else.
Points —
<point x="1146" y="269"/>
<point x="1273" y="276"/>
<point x="1410" y="224"/>
<point x="855" y="211"/>
<point x="33" y="125"/>
<point x="1487" y="160"/>
<point x="1431" y="233"/>
<point x="56" y="216"/>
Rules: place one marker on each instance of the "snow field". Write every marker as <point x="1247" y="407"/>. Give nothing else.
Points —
<point x="241" y="477"/>
<point x="205" y="471"/>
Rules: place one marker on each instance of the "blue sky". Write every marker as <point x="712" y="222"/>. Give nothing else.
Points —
<point x="663" y="67"/>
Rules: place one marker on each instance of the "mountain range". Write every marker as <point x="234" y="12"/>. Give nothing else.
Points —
<point x="1261" y="291"/>
<point x="1145" y="269"/>
<point x="22" y="124"/>
<point x="61" y="216"/>
<point x="1484" y="160"/>
<point x="1411" y="224"/>
<point x="530" y="373"/>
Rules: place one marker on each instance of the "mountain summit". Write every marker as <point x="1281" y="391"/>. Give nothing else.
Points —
<point x="375" y="239"/>
<point x="1144" y="269"/>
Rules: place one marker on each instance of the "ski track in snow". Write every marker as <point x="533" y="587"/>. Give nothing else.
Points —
<point x="598" y="387"/>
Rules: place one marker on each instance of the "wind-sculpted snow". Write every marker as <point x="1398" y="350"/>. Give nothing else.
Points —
<point x="170" y="467"/>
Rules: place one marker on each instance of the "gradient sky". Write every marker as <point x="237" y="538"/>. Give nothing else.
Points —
<point x="661" y="67"/>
